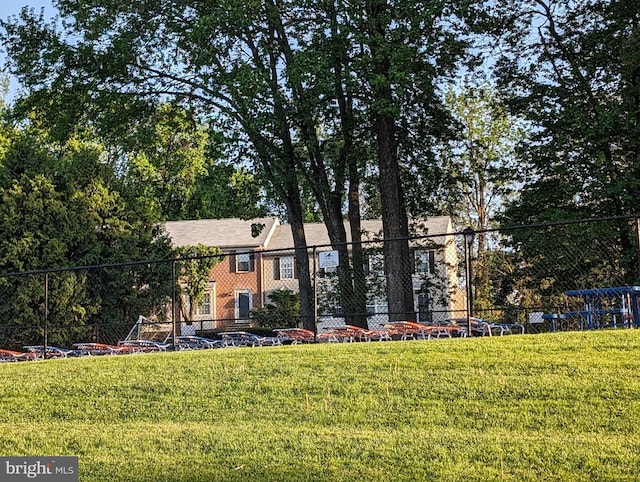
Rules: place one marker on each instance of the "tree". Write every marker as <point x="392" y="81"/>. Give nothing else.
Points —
<point x="571" y="67"/>
<point x="281" y="311"/>
<point x="60" y="209"/>
<point x="394" y="215"/>
<point x="195" y="276"/>
<point x="175" y="162"/>
<point x="409" y="53"/>
<point x="303" y="86"/>
<point x="487" y="171"/>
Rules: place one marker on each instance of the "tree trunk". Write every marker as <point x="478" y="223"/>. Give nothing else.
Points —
<point x="395" y="226"/>
<point x="359" y="301"/>
<point x="307" y="310"/>
<point x="329" y="200"/>
<point x="282" y="176"/>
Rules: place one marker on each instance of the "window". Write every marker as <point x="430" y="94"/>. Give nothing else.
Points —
<point x="424" y="261"/>
<point x="376" y="307"/>
<point x="204" y="308"/>
<point x="283" y="268"/>
<point x="286" y="267"/>
<point x="244" y="262"/>
<point x="244" y="303"/>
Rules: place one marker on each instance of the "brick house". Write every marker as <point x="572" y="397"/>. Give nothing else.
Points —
<point x="261" y="261"/>
<point x="236" y="283"/>
<point x="434" y="267"/>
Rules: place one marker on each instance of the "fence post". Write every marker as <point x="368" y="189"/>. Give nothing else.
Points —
<point x="173" y="303"/>
<point x="469" y="235"/>
<point x="46" y="314"/>
<point x="315" y="291"/>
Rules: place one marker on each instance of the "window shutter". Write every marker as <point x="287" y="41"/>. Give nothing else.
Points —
<point x="366" y="268"/>
<point x="276" y="268"/>
<point x="232" y="261"/>
<point x="432" y="261"/>
<point x="295" y="268"/>
<point x="252" y="262"/>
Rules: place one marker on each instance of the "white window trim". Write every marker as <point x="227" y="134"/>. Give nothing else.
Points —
<point x="422" y="261"/>
<point x="376" y="306"/>
<point x="204" y="308"/>
<point x="211" y="291"/>
<point x="286" y="267"/>
<point x="242" y="258"/>
<point x="237" y="304"/>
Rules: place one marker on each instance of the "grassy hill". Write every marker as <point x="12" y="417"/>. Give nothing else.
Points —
<point x="562" y="406"/>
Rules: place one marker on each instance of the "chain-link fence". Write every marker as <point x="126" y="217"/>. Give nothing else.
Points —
<point x="584" y="271"/>
<point x="519" y="275"/>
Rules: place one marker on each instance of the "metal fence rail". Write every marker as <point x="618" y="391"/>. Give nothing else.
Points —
<point x="509" y="275"/>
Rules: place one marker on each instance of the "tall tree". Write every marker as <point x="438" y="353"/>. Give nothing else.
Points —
<point x="572" y="67"/>
<point x="172" y="160"/>
<point x="486" y="167"/>
<point x="61" y="208"/>
<point x="411" y="51"/>
<point x="324" y="115"/>
<point x="294" y="81"/>
<point x="394" y="215"/>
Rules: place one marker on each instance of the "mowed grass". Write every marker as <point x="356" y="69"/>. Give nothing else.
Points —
<point x="562" y="406"/>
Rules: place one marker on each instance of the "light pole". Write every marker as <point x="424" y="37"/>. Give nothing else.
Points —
<point x="469" y="236"/>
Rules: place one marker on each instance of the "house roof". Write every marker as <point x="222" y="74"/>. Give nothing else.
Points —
<point x="316" y="233"/>
<point x="222" y="233"/>
<point x="236" y="233"/>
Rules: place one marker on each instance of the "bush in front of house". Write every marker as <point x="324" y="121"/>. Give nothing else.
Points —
<point x="282" y="310"/>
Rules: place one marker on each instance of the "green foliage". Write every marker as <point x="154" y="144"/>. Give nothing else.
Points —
<point x="554" y="259"/>
<point x="482" y="177"/>
<point x="175" y="163"/>
<point x="282" y="310"/>
<point x="194" y="267"/>
<point x="567" y="67"/>
<point x="484" y="163"/>
<point x="122" y="293"/>
<point x="528" y="408"/>
<point x="60" y="207"/>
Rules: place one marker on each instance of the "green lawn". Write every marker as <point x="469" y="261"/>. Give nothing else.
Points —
<point x="562" y="406"/>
